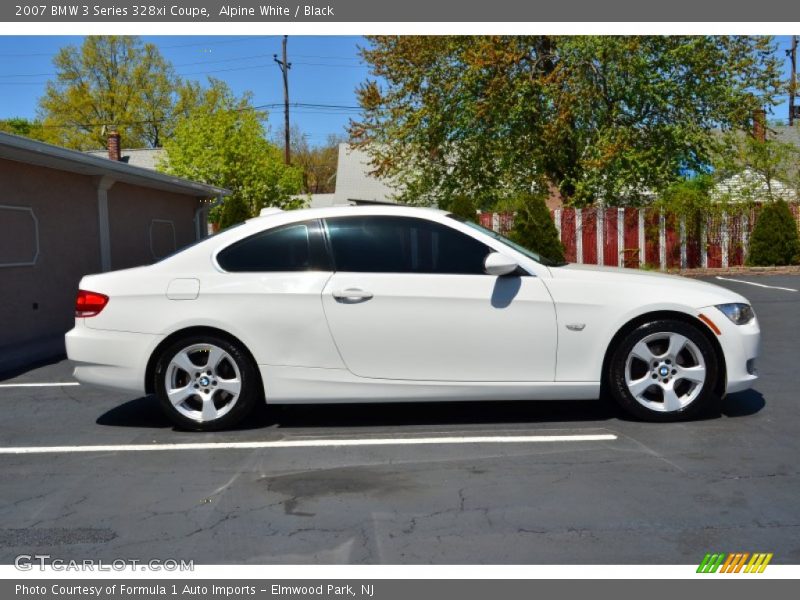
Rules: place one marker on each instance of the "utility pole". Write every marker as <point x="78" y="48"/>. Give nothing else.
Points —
<point x="285" y="66"/>
<point x="793" y="80"/>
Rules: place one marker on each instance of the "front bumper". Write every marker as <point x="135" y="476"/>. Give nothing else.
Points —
<point x="741" y="345"/>
<point x="110" y="359"/>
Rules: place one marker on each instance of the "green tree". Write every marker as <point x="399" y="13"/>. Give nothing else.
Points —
<point x="233" y="210"/>
<point x="599" y="117"/>
<point x="534" y="227"/>
<point x="462" y="206"/>
<point x="24" y="127"/>
<point x="690" y="200"/>
<point x="774" y="240"/>
<point x="222" y="141"/>
<point x="109" y="82"/>
<point x="318" y="163"/>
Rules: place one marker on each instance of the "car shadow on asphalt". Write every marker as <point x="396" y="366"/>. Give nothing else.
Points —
<point x="144" y="412"/>
<point x="743" y="404"/>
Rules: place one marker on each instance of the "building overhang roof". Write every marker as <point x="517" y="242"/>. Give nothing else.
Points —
<point x="32" y="152"/>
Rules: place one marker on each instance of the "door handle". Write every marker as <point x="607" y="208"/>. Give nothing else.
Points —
<point x="352" y="295"/>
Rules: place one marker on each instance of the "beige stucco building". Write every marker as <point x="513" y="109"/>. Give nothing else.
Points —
<point x="64" y="214"/>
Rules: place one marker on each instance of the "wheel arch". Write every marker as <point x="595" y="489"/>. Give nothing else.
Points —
<point x="719" y="384"/>
<point x="149" y="383"/>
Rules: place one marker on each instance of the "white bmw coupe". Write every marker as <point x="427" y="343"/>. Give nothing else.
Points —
<point x="394" y="304"/>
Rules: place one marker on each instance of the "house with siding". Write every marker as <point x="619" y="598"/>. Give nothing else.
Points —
<point x="64" y="214"/>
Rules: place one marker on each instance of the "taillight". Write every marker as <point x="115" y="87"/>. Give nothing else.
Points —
<point x="89" y="304"/>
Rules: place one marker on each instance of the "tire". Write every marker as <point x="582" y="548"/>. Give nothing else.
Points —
<point x="206" y="383"/>
<point x="663" y="371"/>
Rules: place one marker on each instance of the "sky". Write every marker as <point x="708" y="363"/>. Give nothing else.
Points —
<point x="325" y="70"/>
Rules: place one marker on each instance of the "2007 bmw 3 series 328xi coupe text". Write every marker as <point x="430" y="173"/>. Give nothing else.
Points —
<point x="391" y="304"/>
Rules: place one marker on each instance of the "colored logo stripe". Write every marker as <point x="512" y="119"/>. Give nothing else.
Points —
<point x="759" y="561"/>
<point x="710" y="563"/>
<point x="734" y="562"/>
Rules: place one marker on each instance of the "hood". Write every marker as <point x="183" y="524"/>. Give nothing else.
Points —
<point x="698" y="293"/>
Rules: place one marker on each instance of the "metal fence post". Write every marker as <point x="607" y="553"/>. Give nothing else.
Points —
<point x="745" y="237"/>
<point x="557" y="219"/>
<point x="684" y="260"/>
<point x="620" y="237"/>
<point x="724" y="239"/>
<point x="641" y="237"/>
<point x="600" y="226"/>
<point x="704" y="244"/>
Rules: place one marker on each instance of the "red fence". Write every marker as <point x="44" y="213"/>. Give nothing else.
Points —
<point x="635" y="237"/>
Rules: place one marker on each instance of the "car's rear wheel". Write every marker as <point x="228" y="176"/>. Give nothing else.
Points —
<point x="206" y="383"/>
<point x="664" y="370"/>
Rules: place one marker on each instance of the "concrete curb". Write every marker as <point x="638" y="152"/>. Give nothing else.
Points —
<point x="742" y="271"/>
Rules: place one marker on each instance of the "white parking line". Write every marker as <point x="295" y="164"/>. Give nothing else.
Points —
<point x="62" y="384"/>
<point x="318" y="443"/>
<point x="761" y="285"/>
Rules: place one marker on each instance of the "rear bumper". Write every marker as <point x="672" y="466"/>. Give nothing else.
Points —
<point x="741" y="345"/>
<point x="110" y="359"/>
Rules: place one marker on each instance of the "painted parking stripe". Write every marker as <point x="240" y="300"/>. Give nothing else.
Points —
<point x="316" y="443"/>
<point x="16" y="385"/>
<point x="23" y="385"/>
<point x="761" y="285"/>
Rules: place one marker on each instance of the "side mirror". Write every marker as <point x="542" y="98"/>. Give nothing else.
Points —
<point x="499" y="264"/>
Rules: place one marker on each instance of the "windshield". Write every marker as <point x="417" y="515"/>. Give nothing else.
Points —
<point x="548" y="262"/>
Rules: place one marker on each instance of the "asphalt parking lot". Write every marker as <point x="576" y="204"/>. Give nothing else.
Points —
<point x="630" y="493"/>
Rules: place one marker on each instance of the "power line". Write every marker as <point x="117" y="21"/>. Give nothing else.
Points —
<point x="191" y="64"/>
<point x="205" y="43"/>
<point x="29" y="75"/>
<point x="260" y="66"/>
<point x="328" y="56"/>
<point x="306" y="108"/>
<point x="204" y="72"/>
<point x="332" y="65"/>
<point x="235" y="40"/>
<point x="181" y="74"/>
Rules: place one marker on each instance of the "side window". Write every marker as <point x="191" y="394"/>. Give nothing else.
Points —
<point x="287" y="248"/>
<point x="385" y="244"/>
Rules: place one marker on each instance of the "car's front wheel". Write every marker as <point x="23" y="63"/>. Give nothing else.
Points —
<point x="664" y="370"/>
<point x="206" y="383"/>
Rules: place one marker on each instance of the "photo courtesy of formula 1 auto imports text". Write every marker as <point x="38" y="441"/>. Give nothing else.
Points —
<point x="371" y="300"/>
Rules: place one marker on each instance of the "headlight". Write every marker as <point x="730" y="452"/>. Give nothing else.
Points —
<point x="740" y="314"/>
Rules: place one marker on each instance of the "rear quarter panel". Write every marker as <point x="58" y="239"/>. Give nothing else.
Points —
<point x="278" y="316"/>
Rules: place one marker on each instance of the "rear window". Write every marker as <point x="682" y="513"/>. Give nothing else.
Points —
<point x="285" y="248"/>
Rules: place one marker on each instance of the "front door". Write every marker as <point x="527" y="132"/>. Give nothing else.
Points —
<point x="410" y="300"/>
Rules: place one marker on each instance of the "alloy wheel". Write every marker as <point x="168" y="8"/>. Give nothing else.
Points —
<point x="203" y="382"/>
<point x="665" y="371"/>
